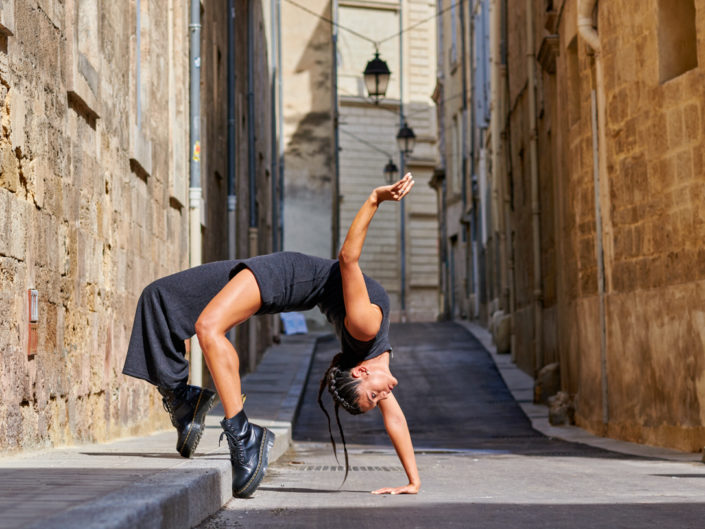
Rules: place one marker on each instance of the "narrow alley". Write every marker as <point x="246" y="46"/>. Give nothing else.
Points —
<point x="481" y="463"/>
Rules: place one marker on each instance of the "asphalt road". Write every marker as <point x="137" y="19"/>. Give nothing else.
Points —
<point x="481" y="463"/>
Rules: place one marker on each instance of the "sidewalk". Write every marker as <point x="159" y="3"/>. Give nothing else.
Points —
<point x="142" y="482"/>
<point x="521" y="386"/>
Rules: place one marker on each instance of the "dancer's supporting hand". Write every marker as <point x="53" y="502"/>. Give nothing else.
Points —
<point x="398" y="431"/>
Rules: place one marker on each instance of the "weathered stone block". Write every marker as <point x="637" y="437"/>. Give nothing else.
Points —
<point x="9" y="168"/>
<point x="691" y="113"/>
<point x="674" y="124"/>
<point x="16" y="104"/>
<point x="19" y="226"/>
<point x="561" y="409"/>
<point x="547" y="383"/>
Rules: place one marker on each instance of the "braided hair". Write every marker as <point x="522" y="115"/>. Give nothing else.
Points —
<point x="343" y="388"/>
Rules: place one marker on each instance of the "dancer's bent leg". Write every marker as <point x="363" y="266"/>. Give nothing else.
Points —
<point x="249" y="444"/>
<point x="156" y="351"/>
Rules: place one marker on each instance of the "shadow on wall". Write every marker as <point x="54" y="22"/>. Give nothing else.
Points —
<point x="308" y="154"/>
<point x="312" y="137"/>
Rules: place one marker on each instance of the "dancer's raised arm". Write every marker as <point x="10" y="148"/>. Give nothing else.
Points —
<point x="362" y="317"/>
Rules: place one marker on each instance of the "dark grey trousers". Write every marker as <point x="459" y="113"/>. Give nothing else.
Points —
<point x="166" y="316"/>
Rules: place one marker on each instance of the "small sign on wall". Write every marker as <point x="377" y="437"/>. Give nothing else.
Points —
<point x="33" y="295"/>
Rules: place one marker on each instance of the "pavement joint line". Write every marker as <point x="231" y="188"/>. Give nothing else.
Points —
<point x="521" y="385"/>
<point x="168" y="492"/>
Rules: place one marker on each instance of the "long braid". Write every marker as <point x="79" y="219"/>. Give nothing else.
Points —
<point x="345" y="448"/>
<point x="324" y="381"/>
<point x="343" y="388"/>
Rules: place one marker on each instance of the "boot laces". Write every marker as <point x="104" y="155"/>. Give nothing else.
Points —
<point x="170" y="410"/>
<point x="169" y="403"/>
<point x="237" y="449"/>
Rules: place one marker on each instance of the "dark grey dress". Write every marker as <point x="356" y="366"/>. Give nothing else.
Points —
<point x="169" y="307"/>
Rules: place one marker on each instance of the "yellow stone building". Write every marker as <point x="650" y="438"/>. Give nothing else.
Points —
<point x="94" y="181"/>
<point x="587" y="204"/>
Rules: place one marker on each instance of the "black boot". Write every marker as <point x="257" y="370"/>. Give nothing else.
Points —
<point x="249" y="452"/>
<point x="188" y="406"/>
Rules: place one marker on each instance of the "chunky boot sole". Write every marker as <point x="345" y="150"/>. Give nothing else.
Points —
<point x="194" y="432"/>
<point x="251" y="486"/>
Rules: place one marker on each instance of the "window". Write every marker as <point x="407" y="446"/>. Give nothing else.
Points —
<point x="7" y="19"/>
<point x="677" y="45"/>
<point x="481" y="64"/>
<point x="82" y="59"/>
<point x="177" y="61"/>
<point x="456" y="157"/>
<point x="140" y="146"/>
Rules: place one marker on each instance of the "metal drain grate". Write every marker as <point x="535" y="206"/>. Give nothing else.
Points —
<point x="340" y="468"/>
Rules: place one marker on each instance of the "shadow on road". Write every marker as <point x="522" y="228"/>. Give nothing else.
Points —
<point x="452" y="394"/>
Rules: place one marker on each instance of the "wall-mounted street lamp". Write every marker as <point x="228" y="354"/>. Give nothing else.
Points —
<point x="391" y="171"/>
<point x="406" y="139"/>
<point x="376" y="78"/>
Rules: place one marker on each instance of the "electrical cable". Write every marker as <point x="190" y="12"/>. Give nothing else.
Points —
<point x="370" y="145"/>
<point x="375" y="43"/>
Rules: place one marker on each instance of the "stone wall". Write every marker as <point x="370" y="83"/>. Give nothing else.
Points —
<point x="650" y="194"/>
<point x="92" y="193"/>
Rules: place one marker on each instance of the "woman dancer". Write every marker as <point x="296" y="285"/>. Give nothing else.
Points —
<point x="210" y="299"/>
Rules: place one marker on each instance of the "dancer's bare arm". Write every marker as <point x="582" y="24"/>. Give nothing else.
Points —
<point x="363" y="318"/>
<point x="395" y="423"/>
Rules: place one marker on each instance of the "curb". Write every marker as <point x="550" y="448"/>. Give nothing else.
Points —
<point x="521" y="386"/>
<point x="187" y="493"/>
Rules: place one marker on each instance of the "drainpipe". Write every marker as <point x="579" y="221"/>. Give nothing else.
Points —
<point x="472" y="159"/>
<point x="232" y="198"/>
<point x="280" y="102"/>
<point x="402" y="170"/>
<point x="497" y="151"/>
<point x="252" y="231"/>
<point x="335" y="235"/>
<point x="440" y="182"/>
<point x="535" y="199"/>
<point x="273" y="125"/>
<point x="195" y="213"/>
<point x="464" y="169"/>
<point x="599" y="144"/>
<point x="510" y="296"/>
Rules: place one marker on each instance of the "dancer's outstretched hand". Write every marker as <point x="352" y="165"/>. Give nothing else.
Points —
<point x="406" y="489"/>
<point x="395" y="191"/>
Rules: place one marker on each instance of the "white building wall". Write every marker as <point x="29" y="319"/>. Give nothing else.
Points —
<point x="368" y="140"/>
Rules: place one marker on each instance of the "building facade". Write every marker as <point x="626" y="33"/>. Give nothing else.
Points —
<point x="94" y="180"/>
<point x="400" y="252"/>
<point x="309" y="160"/>
<point x="593" y="155"/>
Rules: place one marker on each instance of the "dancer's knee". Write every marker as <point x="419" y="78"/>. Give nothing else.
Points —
<point x="208" y="331"/>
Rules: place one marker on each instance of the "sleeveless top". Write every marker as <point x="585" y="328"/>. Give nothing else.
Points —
<point x="291" y="281"/>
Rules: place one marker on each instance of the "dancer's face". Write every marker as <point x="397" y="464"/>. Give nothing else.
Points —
<point x="376" y="384"/>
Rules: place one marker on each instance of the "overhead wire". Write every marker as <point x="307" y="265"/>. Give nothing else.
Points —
<point x="365" y="142"/>
<point x="376" y="43"/>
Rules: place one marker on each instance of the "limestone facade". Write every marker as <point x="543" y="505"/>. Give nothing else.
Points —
<point x="455" y="172"/>
<point x="92" y="197"/>
<point x="309" y="161"/>
<point x="94" y="177"/>
<point x="619" y="136"/>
